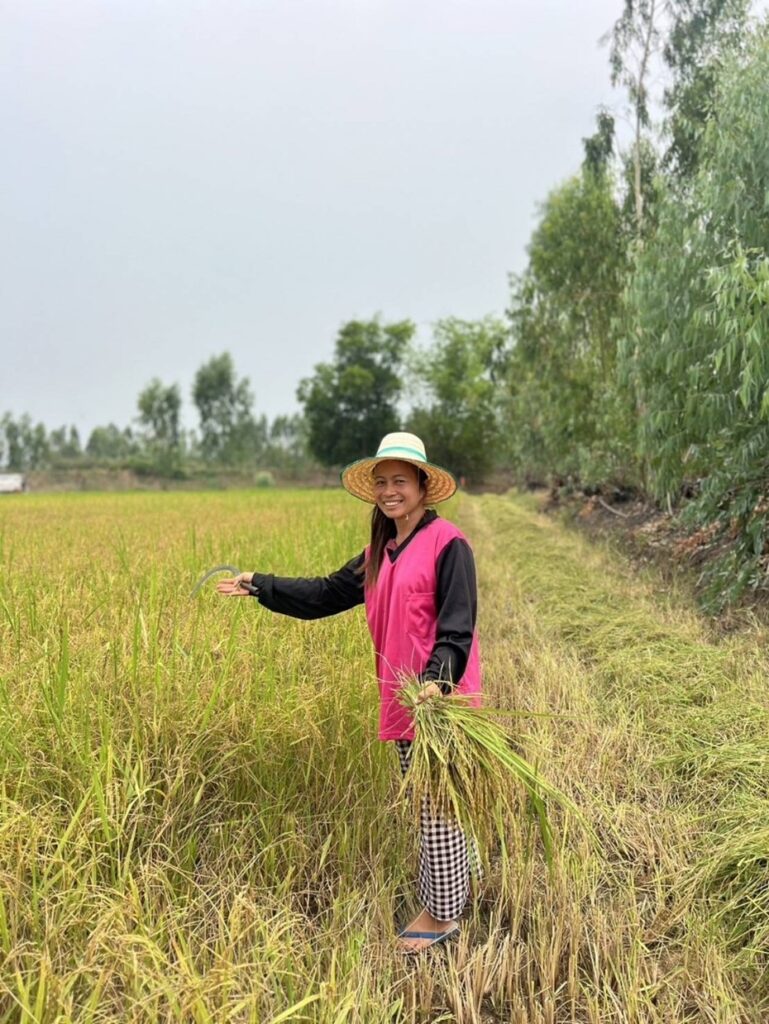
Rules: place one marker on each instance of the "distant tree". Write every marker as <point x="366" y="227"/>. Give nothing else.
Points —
<point x="287" y="442"/>
<point x="111" y="442"/>
<point x="254" y="439"/>
<point x="350" y="404"/>
<point x="64" y="443"/>
<point x="228" y="431"/>
<point x="459" y="420"/>
<point x="38" y="453"/>
<point x="159" y="408"/>
<point x="25" y="444"/>
<point x="13" y="448"/>
<point x="285" y="431"/>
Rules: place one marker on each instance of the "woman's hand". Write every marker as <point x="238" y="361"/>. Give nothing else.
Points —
<point x="431" y="690"/>
<point x="237" y="587"/>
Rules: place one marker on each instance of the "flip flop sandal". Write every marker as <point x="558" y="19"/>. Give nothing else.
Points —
<point x="435" y="938"/>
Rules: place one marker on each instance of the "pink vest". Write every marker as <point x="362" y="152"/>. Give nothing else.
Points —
<point x="402" y="617"/>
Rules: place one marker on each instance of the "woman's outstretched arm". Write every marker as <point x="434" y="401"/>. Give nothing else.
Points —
<point x="304" y="597"/>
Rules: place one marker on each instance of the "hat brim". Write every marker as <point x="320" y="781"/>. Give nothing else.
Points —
<point x="357" y="478"/>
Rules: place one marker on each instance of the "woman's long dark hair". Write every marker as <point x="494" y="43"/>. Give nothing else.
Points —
<point x="382" y="530"/>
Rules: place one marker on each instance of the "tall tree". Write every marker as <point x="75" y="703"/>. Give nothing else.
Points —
<point x="159" y="409"/>
<point x="703" y="34"/>
<point x="562" y="411"/>
<point x="228" y="431"/>
<point x="459" y="419"/>
<point x="635" y="40"/>
<point x="692" y="39"/>
<point x="350" y="403"/>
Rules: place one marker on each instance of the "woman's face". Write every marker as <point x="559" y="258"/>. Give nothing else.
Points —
<point x="396" y="489"/>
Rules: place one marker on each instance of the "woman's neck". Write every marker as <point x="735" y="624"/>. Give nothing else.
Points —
<point x="404" y="527"/>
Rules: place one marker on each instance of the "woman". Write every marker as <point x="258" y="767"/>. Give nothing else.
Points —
<point x="417" y="580"/>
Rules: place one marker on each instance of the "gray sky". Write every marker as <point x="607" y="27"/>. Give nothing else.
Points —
<point x="181" y="177"/>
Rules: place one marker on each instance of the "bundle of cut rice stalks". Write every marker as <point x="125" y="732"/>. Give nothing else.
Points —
<point x="464" y="763"/>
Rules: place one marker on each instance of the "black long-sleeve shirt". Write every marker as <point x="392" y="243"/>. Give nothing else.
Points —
<point x="456" y="601"/>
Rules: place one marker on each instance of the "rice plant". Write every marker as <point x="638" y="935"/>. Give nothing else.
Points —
<point x="465" y="766"/>
<point x="197" y="822"/>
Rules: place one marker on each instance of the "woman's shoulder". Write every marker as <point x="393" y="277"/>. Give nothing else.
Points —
<point x="444" y="531"/>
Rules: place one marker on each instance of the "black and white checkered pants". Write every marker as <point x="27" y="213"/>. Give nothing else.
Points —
<point x="444" y="861"/>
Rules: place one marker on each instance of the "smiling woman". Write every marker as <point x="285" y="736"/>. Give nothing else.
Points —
<point x="416" y="578"/>
<point x="399" y="498"/>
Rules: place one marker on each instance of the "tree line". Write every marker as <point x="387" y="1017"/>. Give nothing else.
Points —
<point x="639" y="358"/>
<point x="347" y="405"/>
<point x="229" y="433"/>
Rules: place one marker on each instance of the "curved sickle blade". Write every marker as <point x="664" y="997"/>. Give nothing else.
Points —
<point x="212" y="572"/>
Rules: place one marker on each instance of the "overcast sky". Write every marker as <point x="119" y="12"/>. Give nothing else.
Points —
<point x="179" y="178"/>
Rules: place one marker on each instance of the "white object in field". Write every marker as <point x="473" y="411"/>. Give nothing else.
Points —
<point x="12" y="483"/>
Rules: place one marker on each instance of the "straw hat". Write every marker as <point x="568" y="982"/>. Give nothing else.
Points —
<point x="358" y="477"/>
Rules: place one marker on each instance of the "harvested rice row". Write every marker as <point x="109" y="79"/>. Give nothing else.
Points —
<point x="667" y="746"/>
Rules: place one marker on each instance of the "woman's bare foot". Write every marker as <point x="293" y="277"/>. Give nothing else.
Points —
<point x="424" y="922"/>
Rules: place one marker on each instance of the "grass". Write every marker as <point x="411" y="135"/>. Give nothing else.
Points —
<point x="198" y="824"/>
<point x="669" y="755"/>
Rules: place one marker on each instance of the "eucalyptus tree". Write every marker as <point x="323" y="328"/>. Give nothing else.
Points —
<point x="562" y="408"/>
<point x="635" y="40"/>
<point x="684" y="43"/>
<point x="701" y="35"/>
<point x="696" y="355"/>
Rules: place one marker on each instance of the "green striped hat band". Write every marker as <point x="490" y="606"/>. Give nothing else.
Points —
<point x="412" y="453"/>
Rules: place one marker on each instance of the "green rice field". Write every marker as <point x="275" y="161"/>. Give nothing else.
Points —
<point x="198" y="824"/>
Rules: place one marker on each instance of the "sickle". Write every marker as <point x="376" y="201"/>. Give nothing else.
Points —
<point x="223" y="568"/>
